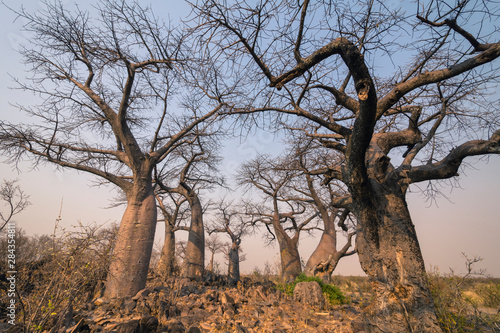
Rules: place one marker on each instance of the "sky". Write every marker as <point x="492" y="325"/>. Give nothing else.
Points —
<point x="466" y="221"/>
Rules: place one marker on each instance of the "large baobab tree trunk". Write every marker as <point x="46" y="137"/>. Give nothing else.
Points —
<point x="194" y="262"/>
<point x="390" y="254"/>
<point x="289" y="255"/>
<point x="325" y="258"/>
<point x="234" y="264"/>
<point x="326" y="246"/>
<point x="129" y="267"/>
<point x="166" y="263"/>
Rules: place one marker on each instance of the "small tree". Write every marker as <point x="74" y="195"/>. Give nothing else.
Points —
<point x="14" y="199"/>
<point x="174" y="217"/>
<point x="196" y="170"/>
<point x="214" y="245"/>
<point x="236" y="225"/>
<point x="331" y="201"/>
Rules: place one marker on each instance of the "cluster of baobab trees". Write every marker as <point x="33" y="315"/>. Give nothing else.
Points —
<point x="372" y="98"/>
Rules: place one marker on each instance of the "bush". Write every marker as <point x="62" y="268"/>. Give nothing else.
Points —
<point x="490" y="294"/>
<point x="457" y="304"/>
<point x="331" y="292"/>
<point x="60" y="272"/>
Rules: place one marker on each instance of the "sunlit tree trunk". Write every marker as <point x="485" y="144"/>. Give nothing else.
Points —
<point x="327" y="245"/>
<point x="390" y="254"/>
<point x="166" y="264"/>
<point x="194" y="262"/>
<point x="234" y="263"/>
<point x="289" y="255"/>
<point x="134" y="243"/>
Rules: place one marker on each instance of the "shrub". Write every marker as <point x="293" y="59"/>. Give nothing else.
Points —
<point x="490" y="294"/>
<point x="331" y="292"/>
<point x="59" y="273"/>
<point x="457" y="305"/>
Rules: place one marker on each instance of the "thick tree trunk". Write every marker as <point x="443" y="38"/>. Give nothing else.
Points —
<point x="166" y="264"/>
<point x="290" y="258"/>
<point x="234" y="264"/>
<point x="194" y="263"/>
<point x="132" y="252"/>
<point x="389" y="253"/>
<point x="326" y="246"/>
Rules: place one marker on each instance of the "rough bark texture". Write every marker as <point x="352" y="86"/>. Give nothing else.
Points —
<point x="166" y="264"/>
<point x="134" y="244"/>
<point x="390" y="254"/>
<point x="326" y="246"/>
<point x="392" y="259"/>
<point x="234" y="264"/>
<point x="290" y="258"/>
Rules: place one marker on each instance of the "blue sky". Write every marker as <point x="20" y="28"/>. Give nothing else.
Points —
<point x="468" y="221"/>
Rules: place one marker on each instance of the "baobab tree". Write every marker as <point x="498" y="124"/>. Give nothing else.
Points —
<point x="215" y="245"/>
<point x="107" y="81"/>
<point x="280" y="207"/>
<point x="230" y="219"/>
<point x="175" y="212"/>
<point x="309" y="159"/>
<point x="402" y="98"/>
<point x="192" y="169"/>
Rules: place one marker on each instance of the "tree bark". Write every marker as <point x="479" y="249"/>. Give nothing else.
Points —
<point x="289" y="255"/>
<point x="234" y="264"/>
<point x="211" y="265"/>
<point x="194" y="262"/>
<point x="326" y="246"/>
<point x="134" y="243"/>
<point x="390" y="255"/>
<point x="166" y="265"/>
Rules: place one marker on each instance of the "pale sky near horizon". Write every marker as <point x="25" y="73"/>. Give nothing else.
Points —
<point x="468" y="222"/>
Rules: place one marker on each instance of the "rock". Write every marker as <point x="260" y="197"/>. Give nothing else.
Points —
<point x="358" y="325"/>
<point x="194" y="329"/>
<point x="174" y="326"/>
<point x="100" y="301"/>
<point x="211" y="297"/>
<point x="131" y="326"/>
<point x="309" y="293"/>
<point x="128" y="306"/>
<point x="141" y="294"/>
<point x="160" y="289"/>
<point x="226" y="299"/>
<point x="148" y="324"/>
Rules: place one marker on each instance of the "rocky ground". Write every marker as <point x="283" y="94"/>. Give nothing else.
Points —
<point x="185" y="306"/>
<point x="181" y="305"/>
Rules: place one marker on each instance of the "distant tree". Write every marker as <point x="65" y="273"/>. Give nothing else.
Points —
<point x="175" y="214"/>
<point x="14" y="199"/>
<point x="280" y="208"/>
<point x="108" y="85"/>
<point x="400" y="93"/>
<point x="214" y="245"/>
<point x="233" y="222"/>
<point x="234" y="256"/>
<point x="309" y="159"/>
<point x="192" y="169"/>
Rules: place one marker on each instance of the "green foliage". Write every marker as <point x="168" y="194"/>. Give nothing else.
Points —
<point x="331" y="292"/>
